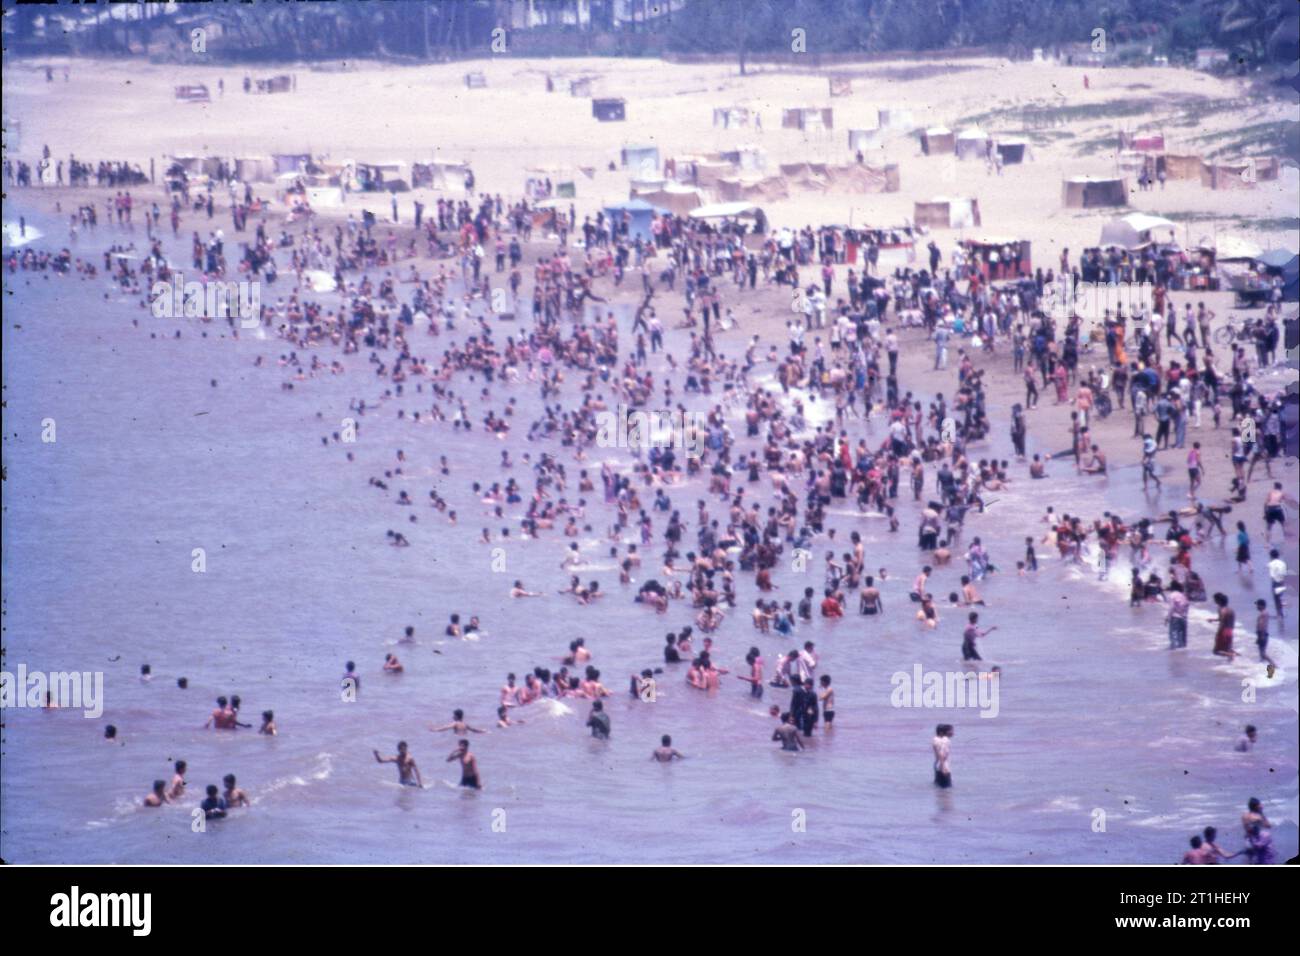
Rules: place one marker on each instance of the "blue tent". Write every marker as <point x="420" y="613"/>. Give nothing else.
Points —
<point x="639" y="213"/>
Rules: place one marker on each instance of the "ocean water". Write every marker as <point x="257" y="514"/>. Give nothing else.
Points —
<point x="1097" y="721"/>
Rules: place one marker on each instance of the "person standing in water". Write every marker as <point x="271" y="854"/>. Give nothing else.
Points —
<point x="408" y="774"/>
<point x="970" y="635"/>
<point x="468" y="766"/>
<point x="1227" y="623"/>
<point x="942" y="745"/>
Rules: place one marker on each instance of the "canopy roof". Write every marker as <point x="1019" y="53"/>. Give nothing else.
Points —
<point x="722" y="210"/>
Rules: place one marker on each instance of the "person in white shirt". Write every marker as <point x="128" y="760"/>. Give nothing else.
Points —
<point x="942" y="745"/>
<point x="1277" y="571"/>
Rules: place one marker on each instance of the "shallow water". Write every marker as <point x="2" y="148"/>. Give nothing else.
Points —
<point x="152" y="461"/>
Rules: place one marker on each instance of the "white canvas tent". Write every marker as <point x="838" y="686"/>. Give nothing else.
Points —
<point x="895" y="117"/>
<point x="726" y="210"/>
<point x="748" y="158"/>
<point x="676" y="198"/>
<point x="936" y="140"/>
<point x="972" y="143"/>
<point x="640" y="160"/>
<point x="730" y="117"/>
<point x="1134" y="230"/>
<point x="865" y="139"/>
<point x="945" y="212"/>
<point x="254" y="169"/>
<point x="324" y="197"/>
<point x="1231" y="248"/>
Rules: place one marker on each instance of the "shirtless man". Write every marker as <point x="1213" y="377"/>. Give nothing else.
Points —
<point x="408" y="774"/>
<point x="870" y="602"/>
<point x="234" y="795"/>
<point x="1273" y="511"/>
<point x="468" y="766"/>
<point x="458" y="725"/>
<point x="1097" y="464"/>
<point x="665" y="753"/>
<point x="788" y="734"/>
<point x="176" y="789"/>
<point x="158" y="795"/>
<point x="222" y="717"/>
<point x="518" y="591"/>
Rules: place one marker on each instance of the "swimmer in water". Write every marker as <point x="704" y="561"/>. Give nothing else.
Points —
<point x="158" y="795"/>
<point x="234" y="795"/>
<point x="468" y="766"/>
<point x="268" y="724"/>
<point x="665" y="753"/>
<point x="504" y="719"/>
<point x="519" y="591"/>
<point x="214" y="808"/>
<point x="408" y="774"/>
<point x="392" y="665"/>
<point x="458" y="724"/>
<point x="176" y="789"/>
<point x="788" y="734"/>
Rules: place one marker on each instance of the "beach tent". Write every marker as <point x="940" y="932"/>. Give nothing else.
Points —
<point x="1179" y="166"/>
<point x="290" y="162"/>
<point x="611" y="110"/>
<point x="580" y="86"/>
<point x="709" y="173"/>
<point x="639" y="214"/>
<point x="475" y="81"/>
<point x="1133" y="231"/>
<point x="391" y="177"/>
<point x="1285" y="263"/>
<point x="1232" y="249"/>
<point x="808" y="117"/>
<point x="641" y="160"/>
<point x="748" y="158"/>
<point x="1090" y="192"/>
<point x="895" y="117"/>
<point x="947" y="213"/>
<point x="1239" y="174"/>
<point x="937" y="140"/>
<point x="727" y="210"/>
<point x="972" y="143"/>
<point x="730" y="117"/>
<point x="324" y="197"/>
<point x="280" y="83"/>
<point x="213" y="166"/>
<point x="440" y="174"/>
<point x="254" y="169"/>
<point x="564" y="179"/>
<point x="676" y="198"/>
<point x="1142" y="142"/>
<point x="767" y="188"/>
<point x="1011" y="150"/>
<point x="865" y="139"/>
<point x="840" y="85"/>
